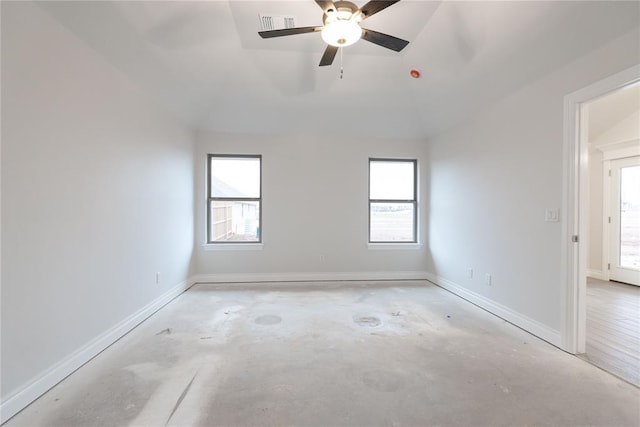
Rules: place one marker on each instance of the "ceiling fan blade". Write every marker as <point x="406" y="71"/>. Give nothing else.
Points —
<point x="326" y="5"/>
<point x="375" y="6"/>
<point x="329" y="55"/>
<point x="288" y="32"/>
<point x="384" y="40"/>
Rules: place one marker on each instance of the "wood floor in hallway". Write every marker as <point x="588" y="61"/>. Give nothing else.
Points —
<point x="613" y="328"/>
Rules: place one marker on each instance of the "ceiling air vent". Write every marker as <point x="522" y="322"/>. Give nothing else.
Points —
<point x="276" y="22"/>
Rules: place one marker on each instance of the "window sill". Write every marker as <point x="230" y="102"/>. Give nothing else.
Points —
<point x="232" y="247"/>
<point x="394" y="246"/>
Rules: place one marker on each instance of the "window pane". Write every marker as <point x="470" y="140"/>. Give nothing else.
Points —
<point x="235" y="177"/>
<point x="392" y="222"/>
<point x="391" y="180"/>
<point x="235" y="221"/>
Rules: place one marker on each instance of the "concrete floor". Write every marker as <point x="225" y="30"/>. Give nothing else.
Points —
<point x="360" y="354"/>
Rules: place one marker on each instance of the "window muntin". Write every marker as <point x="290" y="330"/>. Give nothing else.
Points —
<point x="392" y="201"/>
<point x="234" y="202"/>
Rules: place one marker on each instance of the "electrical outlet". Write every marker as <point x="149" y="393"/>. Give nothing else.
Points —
<point x="470" y="273"/>
<point x="158" y="278"/>
<point x="488" y="279"/>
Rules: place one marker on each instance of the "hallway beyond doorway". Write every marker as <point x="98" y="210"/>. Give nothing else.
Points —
<point x="613" y="328"/>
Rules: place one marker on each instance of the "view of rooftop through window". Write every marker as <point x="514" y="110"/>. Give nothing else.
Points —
<point x="234" y="199"/>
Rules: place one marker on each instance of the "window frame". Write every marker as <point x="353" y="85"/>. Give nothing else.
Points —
<point x="413" y="201"/>
<point x="211" y="199"/>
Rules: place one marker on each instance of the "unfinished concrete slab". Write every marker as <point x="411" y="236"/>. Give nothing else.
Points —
<point x="330" y="354"/>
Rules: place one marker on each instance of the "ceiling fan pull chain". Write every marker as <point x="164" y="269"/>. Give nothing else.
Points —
<point x="341" y="65"/>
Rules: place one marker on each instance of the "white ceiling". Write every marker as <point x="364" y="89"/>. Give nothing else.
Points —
<point x="609" y="110"/>
<point x="206" y="63"/>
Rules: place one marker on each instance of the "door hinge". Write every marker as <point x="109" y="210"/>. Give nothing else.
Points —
<point x="609" y="220"/>
<point x="609" y="172"/>
<point x="574" y="239"/>
<point x="608" y="266"/>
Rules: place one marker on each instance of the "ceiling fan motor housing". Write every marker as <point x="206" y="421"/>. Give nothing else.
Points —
<point x="341" y="25"/>
<point x="344" y="10"/>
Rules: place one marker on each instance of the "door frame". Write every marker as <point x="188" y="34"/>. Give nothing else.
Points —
<point x="610" y="153"/>
<point x="575" y="205"/>
<point x="614" y="236"/>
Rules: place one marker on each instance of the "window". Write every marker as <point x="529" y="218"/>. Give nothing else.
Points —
<point x="234" y="201"/>
<point x="392" y="201"/>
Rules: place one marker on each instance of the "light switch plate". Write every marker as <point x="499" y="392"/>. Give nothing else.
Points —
<point x="552" y="215"/>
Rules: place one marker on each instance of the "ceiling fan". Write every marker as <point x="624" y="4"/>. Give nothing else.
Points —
<point x="341" y="27"/>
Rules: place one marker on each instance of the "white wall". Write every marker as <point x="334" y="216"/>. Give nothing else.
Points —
<point x="492" y="179"/>
<point x="97" y="196"/>
<point x="315" y="207"/>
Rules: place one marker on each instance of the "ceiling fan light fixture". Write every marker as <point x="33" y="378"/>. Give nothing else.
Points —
<point x="341" y="27"/>
<point x="341" y="33"/>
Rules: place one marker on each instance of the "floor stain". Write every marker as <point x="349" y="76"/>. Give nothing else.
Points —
<point x="369" y="321"/>
<point x="181" y="398"/>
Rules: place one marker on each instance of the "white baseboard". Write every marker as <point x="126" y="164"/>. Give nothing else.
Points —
<point x="308" y="277"/>
<point x="45" y="381"/>
<point x="52" y="376"/>
<point x="596" y="274"/>
<point x="532" y="326"/>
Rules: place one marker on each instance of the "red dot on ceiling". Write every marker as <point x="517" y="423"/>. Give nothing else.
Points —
<point x="415" y="73"/>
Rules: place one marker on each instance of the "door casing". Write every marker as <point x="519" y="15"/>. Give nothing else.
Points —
<point x="574" y="234"/>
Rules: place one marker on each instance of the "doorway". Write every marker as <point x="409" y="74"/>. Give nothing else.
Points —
<point x="613" y="264"/>
<point x="612" y="134"/>
<point x="575" y="221"/>
<point x="609" y="227"/>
